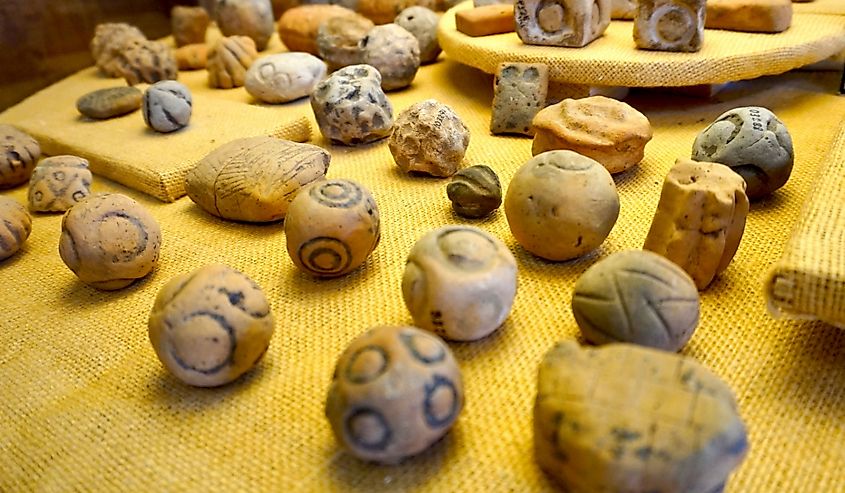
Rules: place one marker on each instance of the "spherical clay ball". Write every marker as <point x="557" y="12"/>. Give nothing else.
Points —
<point x="561" y="205"/>
<point x="395" y="391"/>
<point x="19" y="154"/>
<point x="422" y="23"/>
<point x="332" y="227"/>
<point x="394" y="52"/>
<point x="639" y="297"/>
<point x="167" y="106"/>
<point x="17" y="226"/>
<point x="109" y="241"/>
<point x="210" y="326"/>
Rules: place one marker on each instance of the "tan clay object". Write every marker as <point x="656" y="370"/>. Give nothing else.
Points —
<point x="486" y="20"/>
<point x="19" y="154"/>
<point x="298" y="26"/>
<point x="17" y="226"/>
<point x="250" y="18"/>
<point x="109" y="241"/>
<point x="395" y="391"/>
<point x="669" y="25"/>
<point x="338" y="38"/>
<point x="561" y="205"/>
<point x="422" y="23"/>
<point x="189" y="25"/>
<point x="459" y="282"/>
<point x="429" y="138"/>
<point x="394" y="52"/>
<point x="384" y="11"/>
<point x="570" y="23"/>
<point x="519" y="93"/>
<point x="191" y="57"/>
<point x="254" y="179"/>
<point x="762" y="16"/>
<point x="109" y="41"/>
<point x="211" y="326"/>
<point x="109" y="103"/>
<point x="624" y="418"/>
<point x="700" y="219"/>
<point x="228" y="61"/>
<point x="331" y="227"/>
<point x="58" y="183"/>
<point x="609" y="131"/>
<point x="623" y="9"/>
<point x="147" y="61"/>
<point x="638" y="297"/>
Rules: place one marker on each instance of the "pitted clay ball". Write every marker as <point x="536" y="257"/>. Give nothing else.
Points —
<point x="332" y="227"/>
<point x="107" y="103"/>
<point x="475" y="191"/>
<point x="754" y="143"/>
<point x="58" y="183"/>
<point x="429" y="138"/>
<point x="638" y="297"/>
<point x="110" y="39"/>
<point x="167" y="106"/>
<point x="19" y="154"/>
<point x="338" y="38"/>
<point x="18" y="225"/>
<point x="109" y="241"/>
<point x="422" y="23"/>
<point x="188" y="25"/>
<point x="350" y="106"/>
<point x="459" y="282"/>
<point x="228" y="61"/>
<point x="561" y="205"/>
<point x="251" y="18"/>
<point x="147" y="61"/>
<point x="395" y="391"/>
<point x="211" y="326"/>
<point x="284" y="77"/>
<point x="394" y="52"/>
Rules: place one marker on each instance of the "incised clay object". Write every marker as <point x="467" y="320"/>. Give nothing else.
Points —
<point x="167" y="106"/>
<point x="459" y="282"/>
<point x="475" y="191"/>
<point x="147" y="61"/>
<point x="519" y="93"/>
<point x="351" y="108"/>
<point x="486" y="20"/>
<point x="332" y="227"/>
<point x="284" y="77"/>
<point x="638" y="297"/>
<point x="429" y="138"/>
<point x="700" y="219"/>
<point x="571" y="23"/>
<point x="338" y="38"/>
<point x="254" y="179"/>
<point x="394" y="52"/>
<point x="110" y="39"/>
<point x="384" y="11"/>
<point x="298" y="26"/>
<point x="18" y="225"/>
<point x="669" y="25"/>
<point x="109" y="103"/>
<point x="395" y="391"/>
<point x="623" y="9"/>
<point x="624" y="418"/>
<point x="189" y="25"/>
<point x="609" y="131"/>
<point x="422" y="23"/>
<point x="754" y="143"/>
<point x="58" y="183"/>
<point x="191" y="57"/>
<point x="762" y="16"/>
<point x="250" y="18"/>
<point x="561" y="205"/>
<point x="228" y="61"/>
<point x="20" y="153"/>
<point x="210" y="326"/>
<point x="109" y="241"/>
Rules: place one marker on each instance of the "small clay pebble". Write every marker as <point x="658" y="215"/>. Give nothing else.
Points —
<point x="561" y="205"/>
<point x="422" y="23"/>
<point x="351" y="108"/>
<point x="623" y="9"/>
<point x="109" y="103"/>
<point x="210" y="326"/>
<point x="625" y="418"/>
<point x="167" y="106"/>
<point x="475" y="191"/>
<point x="284" y="77"/>
<point x="669" y="25"/>
<point x="58" y="183"/>
<point x="331" y="227"/>
<point x="147" y="61"/>
<point x="429" y="138"/>
<point x="228" y="61"/>
<point x="394" y="52"/>
<point x="459" y="282"/>
<point x="191" y="57"/>
<point x="189" y="25"/>
<point x="20" y="153"/>
<point x="338" y="37"/>
<point x="109" y="41"/>
<point x="109" y="241"/>
<point x="519" y="93"/>
<point x="384" y="11"/>
<point x="568" y="23"/>
<point x="754" y="143"/>
<point x="298" y="26"/>
<point x="251" y="18"/>
<point x="254" y="179"/>
<point x="638" y="297"/>
<point x="395" y="391"/>
<point x="17" y="226"/>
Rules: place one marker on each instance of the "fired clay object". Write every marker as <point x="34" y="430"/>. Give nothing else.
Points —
<point x="394" y="52"/>
<point x="486" y="20"/>
<point x="298" y="26"/>
<point x="623" y="9"/>
<point x="20" y="152"/>
<point x="338" y="38"/>
<point x="764" y="16"/>
<point x="384" y="11"/>
<point x="109" y="41"/>
<point x="228" y="61"/>
<point x="475" y="191"/>
<point x="167" y="106"/>
<point x="148" y="62"/>
<point x="191" y="57"/>
<point x="58" y="183"/>
<point x="429" y="138"/>
<point x="284" y="77"/>
<point x="17" y="226"/>
<point x="422" y="23"/>
<point x="250" y="18"/>
<point x="669" y="25"/>
<point x="571" y="23"/>
<point x="109" y="103"/>
<point x="519" y="93"/>
<point x="188" y="24"/>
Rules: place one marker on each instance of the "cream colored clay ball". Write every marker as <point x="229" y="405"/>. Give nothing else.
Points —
<point x="109" y="241"/>
<point x="210" y="326"/>
<point x="459" y="282"/>
<point x="395" y="391"/>
<point x="430" y="138"/>
<point x="561" y="205"/>
<point x="17" y="226"/>
<point x="332" y="227"/>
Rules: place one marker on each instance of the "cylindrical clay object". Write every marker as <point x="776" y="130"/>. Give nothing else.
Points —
<point x="394" y="52"/>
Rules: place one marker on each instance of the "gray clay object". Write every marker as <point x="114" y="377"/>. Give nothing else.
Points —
<point x="475" y="191"/>
<point x="669" y="25"/>
<point x="394" y="52"/>
<point x="569" y="23"/>
<point x="167" y="106"/>
<point x="338" y="38"/>
<point x="284" y="77"/>
<point x="109" y="103"/>
<point x="422" y="23"/>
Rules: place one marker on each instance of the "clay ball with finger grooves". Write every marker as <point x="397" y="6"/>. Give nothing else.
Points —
<point x="228" y="61"/>
<point x="475" y="191"/>
<point x="15" y="226"/>
<point x="18" y="155"/>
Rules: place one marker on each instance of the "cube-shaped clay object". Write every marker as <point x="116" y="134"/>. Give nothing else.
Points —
<point x="570" y="23"/>
<point x="520" y="91"/>
<point x="669" y="25"/>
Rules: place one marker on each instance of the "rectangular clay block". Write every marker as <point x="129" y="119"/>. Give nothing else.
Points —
<point x="487" y="20"/>
<point x="761" y="16"/>
<point x="520" y="91"/>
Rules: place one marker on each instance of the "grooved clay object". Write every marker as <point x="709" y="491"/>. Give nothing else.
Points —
<point x="429" y="138"/>
<point x="18" y="154"/>
<point x="519" y="93"/>
<point x="623" y="9"/>
<point x="284" y="77"/>
<point x="191" y="57"/>
<point x="422" y="23"/>
<point x="167" y="106"/>
<point x="228" y="61"/>
<point x="395" y="391"/>
<point x="188" y="24"/>
<point x="571" y="23"/>
<point x="17" y="224"/>
<point x="58" y="183"/>
<point x="486" y="20"/>
<point x="251" y="18"/>
<point x="700" y="219"/>
<point x="147" y="61"/>
<point x="669" y="25"/>
<point x="109" y="103"/>
<point x="338" y="38"/>
<point x="763" y="16"/>
<point x="384" y="11"/>
<point x="475" y="191"/>
<point x="298" y="26"/>
<point x="394" y="52"/>
<point x="109" y="41"/>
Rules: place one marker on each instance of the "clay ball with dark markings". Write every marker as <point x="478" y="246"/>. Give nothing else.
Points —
<point x="58" y="183"/>
<point x="395" y="391"/>
<point x="211" y="326"/>
<point x="167" y="106"/>
<point x="475" y="191"/>
<point x="18" y="154"/>
<point x="147" y="61"/>
<point x="15" y="226"/>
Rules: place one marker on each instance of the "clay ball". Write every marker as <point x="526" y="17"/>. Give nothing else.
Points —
<point x="109" y="241"/>
<point x="19" y="154"/>
<point x="338" y="37"/>
<point x="147" y="61"/>
<point x="475" y="191"/>
<point x="332" y="227"/>
<point x="561" y="205"/>
<point x="394" y="52"/>
<point x="58" y="183"/>
<point x="429" y="138"/>
<point x="422" y="23"/>
<point x="167" y="106"/>
<point x="251" y="18"/>
<point x="298" y="26"/>
<point x="109" y="41"/>
<point x="18" y="225"/>
<point x="284" y="77"/>
<point x="395" y="391"/>
<point x="228" y="61"/>
<point x="188" y="24"/>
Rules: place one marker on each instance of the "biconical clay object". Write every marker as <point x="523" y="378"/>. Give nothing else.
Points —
<point x="58" y="183"/>
<point x="189" y="25"/>
<point x="109" y="41"/>
<point x="191" y="57"/>
<point x="167" y="106"/>
<point x="350" y="106"/>
<point x="385" y="11"/>
<point x="17" y="225"/>
<point x="298" y="26"/>
<point x="561" y="205"/>
<point x="109" y="241"/>
<point x="519" y="93"/>
<point x="338" y="38"/>
<point x="284" y="77"/>
<point x="669" y="25"/>
<point x="228" y="61"/>
<point x="459" y="282"/>
<point x="147" y="61"/>
<point x="754" y="143"/>
<point x="254" y="179"/>
<point x="623" y="9"/>
<point x="210" y="326"/>
<point x="429" y="137"/>
<point x="395" y="391"/>
<point x="638" y="297"/>
<point x="422" y="23"/>
<point x="628" y="418"/>
<point x="109" y="103"/>
<point x="394" y="52"/>
<point x="700" y="219"/>
<point x="475" y="191"/>
<point x="20" y="153"/>
<point x="609" y="131"/>
<point x="251" y="18"/>
<point x="570" y="23"/>
<point x="331" y="227"/>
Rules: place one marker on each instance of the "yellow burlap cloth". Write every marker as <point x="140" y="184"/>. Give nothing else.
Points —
<point x="820" y="7"/>
<point x="85" y="405"/>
